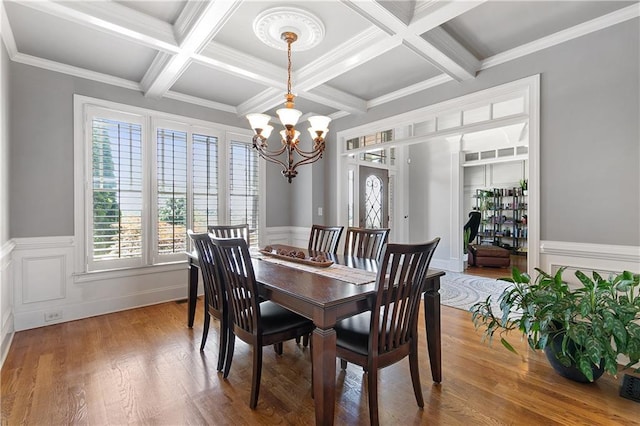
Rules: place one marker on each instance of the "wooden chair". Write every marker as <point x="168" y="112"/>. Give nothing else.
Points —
<point x="367" y="243"/>
<point x="257" y="324"/>
<point x="325" y="238"/>
<point x="215" y="303"/>
<point x="230" y="231"/>
<point x="388" y="333"/>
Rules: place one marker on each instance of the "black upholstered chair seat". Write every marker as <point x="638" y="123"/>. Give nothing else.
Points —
<point x="276" y="319"/>
<point x="353" y="333"/>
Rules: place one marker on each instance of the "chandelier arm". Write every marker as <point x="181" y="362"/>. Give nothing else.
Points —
<point x="308" y="154"/>
<point x="307" y="160"/>
<point x="266" y="152"/>
<point x="273" y="160"/>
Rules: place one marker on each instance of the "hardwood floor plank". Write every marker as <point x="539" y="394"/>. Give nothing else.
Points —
<point x="144" y="366"/>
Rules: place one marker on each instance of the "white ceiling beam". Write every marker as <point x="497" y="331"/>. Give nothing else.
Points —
<point x="7" y="34"/>
<point x="309" y="80"/>
<point x="354" y="52"/>
<point x="460" y="68"/>
<point x="263" y="101"/>
<point x="198" y="27"/>
<point x="239" y="64"/>
<point x="430" y="15"/>
<point x="112" y="18"/>
<point x="337" y="99"/>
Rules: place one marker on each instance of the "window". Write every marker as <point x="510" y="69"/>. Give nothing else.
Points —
<point x="152" y="177"/>
<point x="243" y="187"/>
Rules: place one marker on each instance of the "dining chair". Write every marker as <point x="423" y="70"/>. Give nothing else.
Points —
<point x="364" y="242"/>
<point x="388" y="333"/>
<point x="231" y="231"/>
<point x="215" y="303"/>
<point x="325" y="238"/>
<point x="257" y="324"/>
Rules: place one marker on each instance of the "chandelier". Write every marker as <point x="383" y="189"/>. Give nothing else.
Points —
<point x="289" y="118"/>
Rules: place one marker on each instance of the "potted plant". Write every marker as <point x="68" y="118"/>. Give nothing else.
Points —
<point x="583" y="330"/>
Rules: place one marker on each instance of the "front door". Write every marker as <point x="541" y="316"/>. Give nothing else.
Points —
<point x="374" y="197"/>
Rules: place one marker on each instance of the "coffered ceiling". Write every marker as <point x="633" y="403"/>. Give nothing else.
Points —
<point x="371" y="52"/>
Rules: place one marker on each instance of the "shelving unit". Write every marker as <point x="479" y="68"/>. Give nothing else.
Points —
<point x="504" y="218"/>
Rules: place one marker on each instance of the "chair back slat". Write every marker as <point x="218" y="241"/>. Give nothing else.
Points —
<point x="212" y="280"/>
<point x="366" y="243"/>
<point x="240" y="283"/>
<point x="231" y="231"/>
<point x="399" y="286"/>
<point x="325" y="238"/>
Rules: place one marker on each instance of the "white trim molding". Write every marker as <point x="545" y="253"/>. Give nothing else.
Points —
<point x="46" y="290"/>
<point x="586" y="257"/>
<point x="7" y="328"/>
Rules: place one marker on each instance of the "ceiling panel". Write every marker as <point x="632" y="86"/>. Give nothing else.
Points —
<point x="204" y="82"/>
<point x="398" y="68"/>
<point x="341" y="23"/>
<point x="166" y="10"/>
<point x="497" y="26"/>
<point x="41" y="35"/>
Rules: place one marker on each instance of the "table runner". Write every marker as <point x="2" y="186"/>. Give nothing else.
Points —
<point x="335" y="271"/>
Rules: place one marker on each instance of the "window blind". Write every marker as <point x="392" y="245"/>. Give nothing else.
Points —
<point x="171" y="166"/>
<point x="243" y="187"/>
<point x="116" y="190"/>
<point x="205" y="181"/>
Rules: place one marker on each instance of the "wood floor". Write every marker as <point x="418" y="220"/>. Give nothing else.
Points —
<point x="144" y="366"/>
<point x="519" y="262"/>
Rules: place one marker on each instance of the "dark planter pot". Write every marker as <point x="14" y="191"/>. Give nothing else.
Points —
<point x="571" y="372"/>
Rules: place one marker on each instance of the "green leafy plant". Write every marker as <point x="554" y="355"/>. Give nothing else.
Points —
<point x="598" y="321"/>
<point x="465" y="240"/>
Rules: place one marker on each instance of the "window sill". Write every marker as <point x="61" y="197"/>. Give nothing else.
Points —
<point x="86" y="277"/>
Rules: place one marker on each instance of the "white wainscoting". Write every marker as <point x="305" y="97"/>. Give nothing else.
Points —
<point x="6" y="299"/>
<point x="602" y="258"/>
<point x="47" y="291"/>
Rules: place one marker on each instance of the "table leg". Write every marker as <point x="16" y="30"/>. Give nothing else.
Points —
<point x="192" y="294"/>
<point x="324" y="375"/>
<point x="432" y="325"/>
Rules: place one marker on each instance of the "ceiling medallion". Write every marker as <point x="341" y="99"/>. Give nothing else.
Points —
<point x="272" y="23"/>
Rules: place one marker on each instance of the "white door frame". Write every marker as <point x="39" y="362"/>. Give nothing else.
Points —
<point x="405" y="125"/>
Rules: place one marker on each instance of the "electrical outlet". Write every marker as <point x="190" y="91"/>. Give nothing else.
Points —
<point x="52" y="316"/>
<point x="319" y="211"/>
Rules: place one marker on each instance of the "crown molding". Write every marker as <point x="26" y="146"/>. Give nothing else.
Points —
<point x="409" y="90"/>
<point x="201" y="102"/>
<point x="335" y="98"/>
<point x="263" y="101"/>
<point x="600" y="23"/>
<point x="75" y="71"/>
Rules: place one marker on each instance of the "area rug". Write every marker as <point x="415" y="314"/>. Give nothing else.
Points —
<point x="462" y="291"/>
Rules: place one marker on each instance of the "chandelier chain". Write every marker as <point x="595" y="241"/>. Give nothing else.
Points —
<point x="289" y="66"/>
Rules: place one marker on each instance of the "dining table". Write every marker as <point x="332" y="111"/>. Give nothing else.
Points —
<point x="326" y="297"/>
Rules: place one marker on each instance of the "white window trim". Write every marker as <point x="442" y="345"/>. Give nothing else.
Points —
<point x="151" y="120"/>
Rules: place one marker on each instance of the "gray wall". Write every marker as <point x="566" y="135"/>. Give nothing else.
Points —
<point x="4" y="145"/>
<point x="590" y="137"/>
<point x="41" y="158"/>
